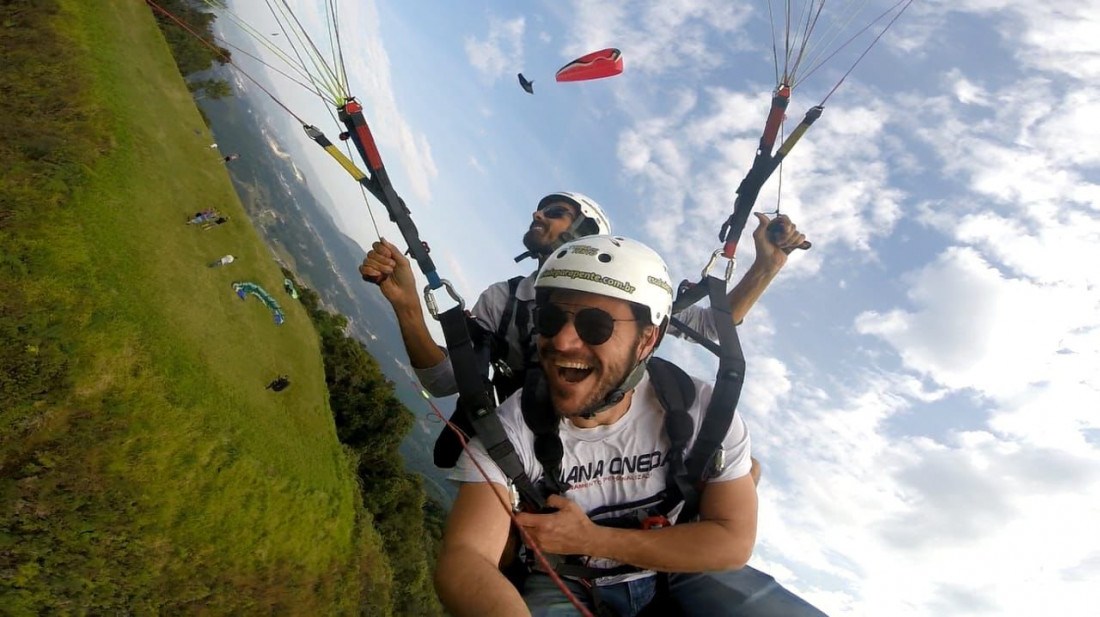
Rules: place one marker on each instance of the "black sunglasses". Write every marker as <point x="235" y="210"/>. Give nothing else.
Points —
<point x="557" y="212"/>
<point x="594" y="326"/>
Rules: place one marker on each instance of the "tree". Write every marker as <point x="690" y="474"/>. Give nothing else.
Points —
<point x="210" y="88"/>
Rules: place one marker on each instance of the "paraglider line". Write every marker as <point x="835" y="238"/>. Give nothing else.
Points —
<point x="316" y="56"/>
<point x="873" y="42"/>
<point x="278" y="52"/>
<point x="227" y="59"/>
<point x="865" y="51"/>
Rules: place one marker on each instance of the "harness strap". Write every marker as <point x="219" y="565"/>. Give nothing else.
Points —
<point x="727" y="387"/>
<point x="676" y="392"/>
<point x="509" y="369"/>
<point x="474" y="394"/>
<point x="539" y="416"/>
<point x="509" y="310"/>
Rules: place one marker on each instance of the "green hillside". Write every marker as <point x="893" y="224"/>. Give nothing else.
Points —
<point x="144" y="466"/>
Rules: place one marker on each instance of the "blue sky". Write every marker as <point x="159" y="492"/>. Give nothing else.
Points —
<point x="924" y="385"/>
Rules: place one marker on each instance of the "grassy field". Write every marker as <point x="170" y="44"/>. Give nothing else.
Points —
<point x="144" y="467"/>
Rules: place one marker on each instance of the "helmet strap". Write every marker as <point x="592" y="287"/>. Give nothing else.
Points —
<point x="617" y="395"/>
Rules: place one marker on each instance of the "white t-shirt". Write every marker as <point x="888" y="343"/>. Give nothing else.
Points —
<point x="621" y="463"/>
<point x="488" y="311"/>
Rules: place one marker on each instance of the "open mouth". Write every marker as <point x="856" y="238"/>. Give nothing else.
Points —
<point x="573" y="372"/>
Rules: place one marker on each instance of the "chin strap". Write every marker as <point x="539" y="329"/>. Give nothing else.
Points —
<point x="525" y="255"/>
<point x="618" y="394"/>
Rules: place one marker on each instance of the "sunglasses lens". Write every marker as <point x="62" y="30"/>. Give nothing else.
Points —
<point x="594" y="326"/>
<point x="555" y="212"/>
<point x="549" y="320"/>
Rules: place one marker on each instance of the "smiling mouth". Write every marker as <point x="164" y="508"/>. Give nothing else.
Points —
<point x="573" y="372"/>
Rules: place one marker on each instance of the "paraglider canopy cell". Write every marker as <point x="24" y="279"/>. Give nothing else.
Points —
<point x="596" y="65"/>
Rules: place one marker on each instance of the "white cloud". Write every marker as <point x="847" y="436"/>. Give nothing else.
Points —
<point x="975" y="328"/>
<point x="687" y="162"/>
<point x="657" y="36"/>
<point x="502" y="49"/>
<point x="970" y="524"/>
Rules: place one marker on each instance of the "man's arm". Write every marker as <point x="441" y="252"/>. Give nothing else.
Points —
<point x="466" y="575"/>
<point x="722" y="539"/>
<point x="399" y="287"/>
<point x="771" y="255"/>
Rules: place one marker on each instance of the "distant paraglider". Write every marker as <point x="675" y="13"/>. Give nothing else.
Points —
<point x="243" y="289"/>
<point x="596" y="65"/>
<point x="288" y="286"/>
<point x="527" y="85"/>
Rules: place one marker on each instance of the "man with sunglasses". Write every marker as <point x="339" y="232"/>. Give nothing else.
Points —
<point x="602" y="307"/>
<point x="559" y="218"/>
<point x="502" y="312"/>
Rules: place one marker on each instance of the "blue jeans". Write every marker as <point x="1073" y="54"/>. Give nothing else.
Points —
<point x="747" y="592"/>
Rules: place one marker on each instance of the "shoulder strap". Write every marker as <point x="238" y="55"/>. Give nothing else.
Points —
<point x="469" y="354"/>
<point x="538" y="414"/>
<point x="676" y="392"/>
<point x="510" y="308"/>
<point x="727" y="384"/>
<point x="508" y="365"/>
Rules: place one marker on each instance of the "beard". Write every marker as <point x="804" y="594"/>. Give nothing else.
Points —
<point x="534" y="242"/>
<point x="607" y="378"/>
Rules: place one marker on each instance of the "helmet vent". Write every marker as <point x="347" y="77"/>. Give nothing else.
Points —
<point x="604" y="257"/>
<point x="562" y="254"/>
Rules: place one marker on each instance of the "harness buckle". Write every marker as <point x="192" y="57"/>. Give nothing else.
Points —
<point x="502" y="367"/>
<point x="514" y="497"/>
<point x="655" y="522"/>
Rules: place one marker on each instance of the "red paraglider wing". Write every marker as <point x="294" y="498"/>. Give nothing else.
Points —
<point x="598" y="64"/>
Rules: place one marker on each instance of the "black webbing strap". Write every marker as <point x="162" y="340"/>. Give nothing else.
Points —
<point x="539" y="415"/>
<point x="475" y="397"/>
<point x="694" y="335"/>
<point x="510" y="308"/>
<point x="727" y="385"/>
<point x="676" y="392"/>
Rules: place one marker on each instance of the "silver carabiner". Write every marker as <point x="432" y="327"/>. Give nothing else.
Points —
<point x="730" y="265"/>
<point x="429" y="298"/>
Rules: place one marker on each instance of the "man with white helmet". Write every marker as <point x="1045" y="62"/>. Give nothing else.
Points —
<point x="558" y="218"/>
<point x="503" y="311"/>
<point x="602" y="451"/>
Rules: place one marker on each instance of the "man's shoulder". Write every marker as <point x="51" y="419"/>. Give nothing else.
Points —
<point x="498" y="294"/>
<point x="510" y="413"/>
<point x="676" y="376"/>
<point x="502" y="288"/>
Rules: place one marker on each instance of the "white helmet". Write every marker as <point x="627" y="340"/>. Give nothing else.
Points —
<point x="611" y="266"/>
<point x="591" y="222"/>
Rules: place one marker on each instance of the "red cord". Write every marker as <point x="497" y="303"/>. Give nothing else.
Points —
<point x="464" y="440"/>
